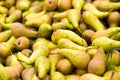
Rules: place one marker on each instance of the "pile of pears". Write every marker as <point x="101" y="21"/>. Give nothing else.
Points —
<point x="59" y="39"/>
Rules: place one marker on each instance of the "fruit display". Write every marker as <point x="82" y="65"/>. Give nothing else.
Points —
<point x="59" y="39"/>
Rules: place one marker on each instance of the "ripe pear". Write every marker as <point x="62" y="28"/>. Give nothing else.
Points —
<point x="42" y="64"/>
<point x="113" y="19"/>
<point x="9" y="3"/>
<point x="67" y="68"/>
<point x="107" y="32"/>
<point x="51" y="5"/>
<point x="57" y="76"/>
<point x="22" y="43"/>
<point x="106" y="5"/>
<point x="45" y="30"/>
<point x="64" y="5"/>
<point x="58" y="25"/>
<point x="81" y="71"/>
<point x="3" y="10"/>
<point x="90" y="76"/>
<point x="106" y="43"/>
<point x="26" y="52"/>
<point x="100" y="14"/>
<point x="6" y="47"/>
<point x="66" y="43"/>
<point x="18" y="29"/>
<point x="78" y="4"/>
<point x="61" y="33"/>
<point x="80" y="59"/>
<point x="5" y="35"/>
<point x="74" y="17"/>
<point x="97" y="64"/>
<point x="72" y="77"/>
<point x="14" y="16"/>
<point x="90" y="19"/>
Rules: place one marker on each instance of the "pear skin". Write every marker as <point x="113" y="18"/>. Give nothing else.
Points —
<point x="60" y="33"/>
<point x="58" y="25"/>
<point x="72" y="77"/>
<point x="80" y="59"/>
<point x="116" y="36"/>
<point x="100" y="14"/>
<point x="106" y="43"/>
<point x="78" y="4"/>
<point x="90" y="19"/>
<point x="97" y="64"/>
<point x="57" y="76"/>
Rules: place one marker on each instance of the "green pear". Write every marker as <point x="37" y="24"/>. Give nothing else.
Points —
<point x="14" y="16"/>
<point x="67" y="68"/>
<point x="61" y="33"/>
<point x="18" y="29"/>
<point x="78" y="4"/>
<point x="116" y="36"/>
<point x="6" y="26"/>
<point x="6" y="47"/>
<point x="92" y="20"/>
<point x="106" y="43"/>
<point x="42" y="63"/>
<point x="5" y="35"/>
<point x="79" y="59"/>
<point x="107" y="32"/>
<point x="45" y="30"/>
<point x="97" y="64"/>
<point x="100" y="14"/>
<point x="67" y="24"/>
<point x="90" y="76"/>
<point x="50" y="5"/>
<point x="113" y="19"/>
<point x="64" y="5"/>
<point x="57" y="76"/>
<point x="23" y="4"/>
<point x="74" y="17"/>
<point x="66" y="43"/>
<point x="106" y="5"/>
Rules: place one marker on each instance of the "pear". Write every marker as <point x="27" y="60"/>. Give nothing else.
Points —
<point x="67" y="68"/>
<point x="22" y="43"/>
<point x="80" y="59"/>
<point x="106" y="5"/>
<point x="6" y="47"/>
<point x="42" y="63"/>
<point x="78" y="4"/>
<point x="67" y="24"/>
<point x="26" y="52"/>
<point x="51" y="4"/>
<point x="58" y="25"/>
<point x="28" y="73"/>
<point x="18" y="29"/>
<point x="64" y="5"/>
<point x="107" y="33"/>
<point x="90" y="76"/>
<point x="66" y="43"/>
<point x="3" y="10"/>
<point x="45" y="30"/>
<point x="82" y="26"/>
<point x="57" y="76"/>
<point x="6" y="26"/>
<point x="72" y="77"/>
<point x="61" y="33"/>
<point x="106" y="43"/>
<point x="5" y="35"/>
<point x="113" y="19"/>
<point x="116" y="36"/>
<point x="90" y="19"/>
<point x="100" y="14"/>
<point x="36" y="22"/>
<point x="9" y="3"/>
<point x="14" y="16"/>
<point x="74" y="17"/>
<point x="80" y="71"/>
<point x="23" y="4"/>
<point x="97" y="64"/>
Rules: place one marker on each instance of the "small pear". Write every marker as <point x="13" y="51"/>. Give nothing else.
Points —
<point x="79" y="59"/>
<point x="64" y="5"/>
<point x="3" y="10"/>
<point x="97" y="64"/>
<point x="67" y="68"/>
<point x="58" y="25"/>
<point x="90" y="19"/>
<point x="42" y="63"/>
<point x="106" y="43"/>
<point x="26" y="52"/>
<point x="82" y="26"/>
<point x="50" y="4"/>
<point x="61" y="33"/>
<point x="66" y="43"/>
<point x="113" y="19"/>
<point x="18" y="29"/>
<point x="9" y="3"/>
<point x="78" y="4"/>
